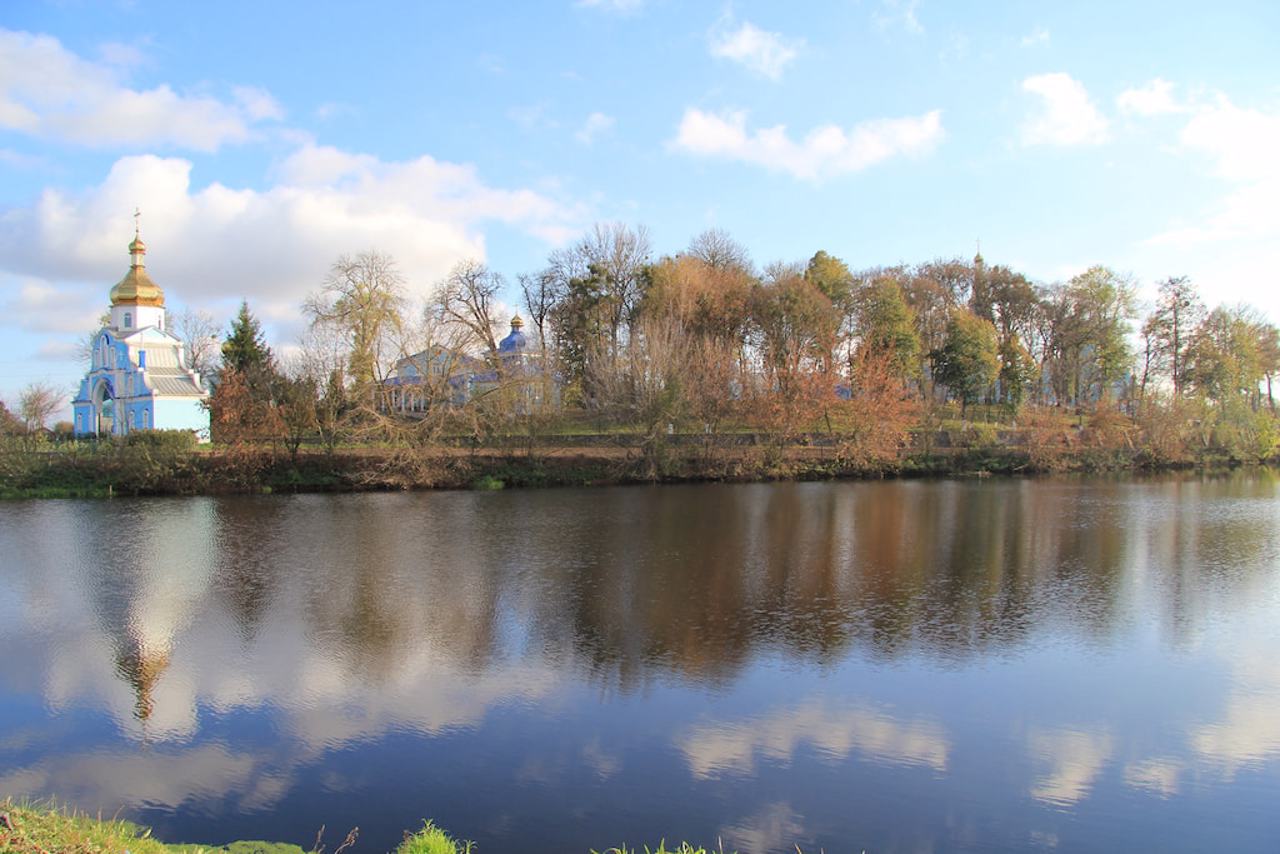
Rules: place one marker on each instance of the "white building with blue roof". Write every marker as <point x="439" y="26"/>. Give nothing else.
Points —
<point x="138" y="376"/>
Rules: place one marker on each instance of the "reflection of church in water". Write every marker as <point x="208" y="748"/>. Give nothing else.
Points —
<point x="138" y="378"/>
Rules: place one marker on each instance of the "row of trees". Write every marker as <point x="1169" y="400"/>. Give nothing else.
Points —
<point x="702" y="341"/>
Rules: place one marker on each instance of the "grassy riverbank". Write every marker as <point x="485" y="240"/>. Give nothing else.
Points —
<point x="33" y="829"/>
<point x="169" y="464"/>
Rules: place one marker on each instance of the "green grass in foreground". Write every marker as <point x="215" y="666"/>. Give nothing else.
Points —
<point x="43" y="829"/>
<point x="35" y="829"/>
<point x="433" y="840"/>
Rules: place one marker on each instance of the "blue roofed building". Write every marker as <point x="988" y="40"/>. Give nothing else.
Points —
<point x="138" y="375"/>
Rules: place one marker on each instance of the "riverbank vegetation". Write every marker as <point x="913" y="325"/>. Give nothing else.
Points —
<point x="628" y="367"/>
<point x="34" y="829"/>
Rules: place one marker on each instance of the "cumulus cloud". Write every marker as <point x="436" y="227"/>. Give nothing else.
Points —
<point x="825" y="151"/>
<point x="220" y="243"/>
<point x="1239" y="145"/>
<point x="1066" y="117"/>
<point x="1154" y="99"/>
<point x="595" y="125"/>
<point x="761" y="51"/>
<point x="49" y="92"/>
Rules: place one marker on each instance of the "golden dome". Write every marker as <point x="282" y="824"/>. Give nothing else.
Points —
<point x="136" y="288"/>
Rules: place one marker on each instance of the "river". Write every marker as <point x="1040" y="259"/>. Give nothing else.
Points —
<point x="984" y="665"/>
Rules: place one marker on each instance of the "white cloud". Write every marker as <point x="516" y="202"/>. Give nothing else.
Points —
<point x="825" y="151"/>
<point x="1154" y="99"/>
<point x="1037" y="36"/>
<point x="596" y="124"/>
<point x="1240" y="146"/>
<point x="1067" y="116"/>
<point x="761" y="51"/>
<point x="258" y="103"/>
<point x="49" y="92"/>
<point x="898" y="12"/>
<point x="219" y="243"/>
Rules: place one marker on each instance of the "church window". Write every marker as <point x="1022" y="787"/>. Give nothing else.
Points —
<point x="128" y="320"/>
<point x="146" y="418"/>
<point x="129" y="418"/>
<point x="142" y="358"/>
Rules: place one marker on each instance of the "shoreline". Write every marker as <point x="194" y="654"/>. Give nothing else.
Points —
<point x="109" y="471"/>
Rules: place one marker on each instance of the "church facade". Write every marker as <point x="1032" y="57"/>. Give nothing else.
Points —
<point x="138" y="377"/>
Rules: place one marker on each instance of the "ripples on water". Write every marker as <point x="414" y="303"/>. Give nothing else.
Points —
<point x="998" y="665"/>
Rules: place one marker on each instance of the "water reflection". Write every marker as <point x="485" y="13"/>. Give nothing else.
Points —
<point x="712" y="749"/>
<point x="783" y="662"/>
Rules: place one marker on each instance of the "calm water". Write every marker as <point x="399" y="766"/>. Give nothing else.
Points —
<point x="904" y="666"/>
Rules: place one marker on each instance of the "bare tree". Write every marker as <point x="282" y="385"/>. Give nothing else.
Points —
<point x="85" y="346"/>
<point x="37" y="403"/>
<point x="715" y="248"/>
<point x="468" y="298"/>
<point x="199" y="333"/>
<point x="618" y="254"/>
<point x="364" y="297"/>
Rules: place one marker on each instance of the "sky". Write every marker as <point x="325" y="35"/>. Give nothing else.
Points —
<point x="261" y="141"/>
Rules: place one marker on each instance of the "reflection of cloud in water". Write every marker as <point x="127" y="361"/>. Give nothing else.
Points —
<point x="1159" y="776"/>
<point x="1249" y="731"/>
<point x="603" y="762"/>
<point x="719" y="747"/>
<point x="775" y="827"/>
<point x="1074" y="759"/>
<point x="158" y="778"/>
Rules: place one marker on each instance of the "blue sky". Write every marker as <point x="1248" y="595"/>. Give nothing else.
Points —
<point x="261" y="140"/>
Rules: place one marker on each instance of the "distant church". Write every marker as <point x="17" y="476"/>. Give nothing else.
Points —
<point x="138" y="378"/>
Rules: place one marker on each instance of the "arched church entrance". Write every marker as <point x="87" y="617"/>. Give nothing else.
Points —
<point x="104" y="404"/>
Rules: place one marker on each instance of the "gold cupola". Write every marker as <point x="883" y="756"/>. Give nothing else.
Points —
<point x="136" y="288"/>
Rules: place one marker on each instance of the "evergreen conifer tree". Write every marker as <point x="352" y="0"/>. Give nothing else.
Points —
<point x="245" y="350"/>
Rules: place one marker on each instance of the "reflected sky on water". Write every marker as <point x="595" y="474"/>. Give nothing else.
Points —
<point x="899" y="666"/>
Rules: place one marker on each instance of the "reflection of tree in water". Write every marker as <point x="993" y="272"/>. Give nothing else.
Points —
<point x="383" y="584"/>
<point x="248" y="543"/>
<point x="637" y="584"/>
<point x="705" y="579"/>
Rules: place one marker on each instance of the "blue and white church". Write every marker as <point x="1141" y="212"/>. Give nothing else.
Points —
<point x="138" y="378"/>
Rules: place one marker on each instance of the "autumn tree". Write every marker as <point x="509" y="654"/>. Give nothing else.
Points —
<point x="968" y="362"/>
<point x="1088" y="349"/>
<point x="795" y="326"/>
<point x="37" y="403"/>
<point x="363" y="296"/>
<point x="1178" y="311"/>
<point x="885" y="326"/>
<point x="1018" y="372"/>
<point x="831" y="277"/>
<point x="1224" y="358"/>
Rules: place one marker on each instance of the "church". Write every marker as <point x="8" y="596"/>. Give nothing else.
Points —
<point x="138" y="378"/>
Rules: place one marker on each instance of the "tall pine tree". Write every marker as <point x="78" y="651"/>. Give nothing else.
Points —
<point x="245" y="350"/>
